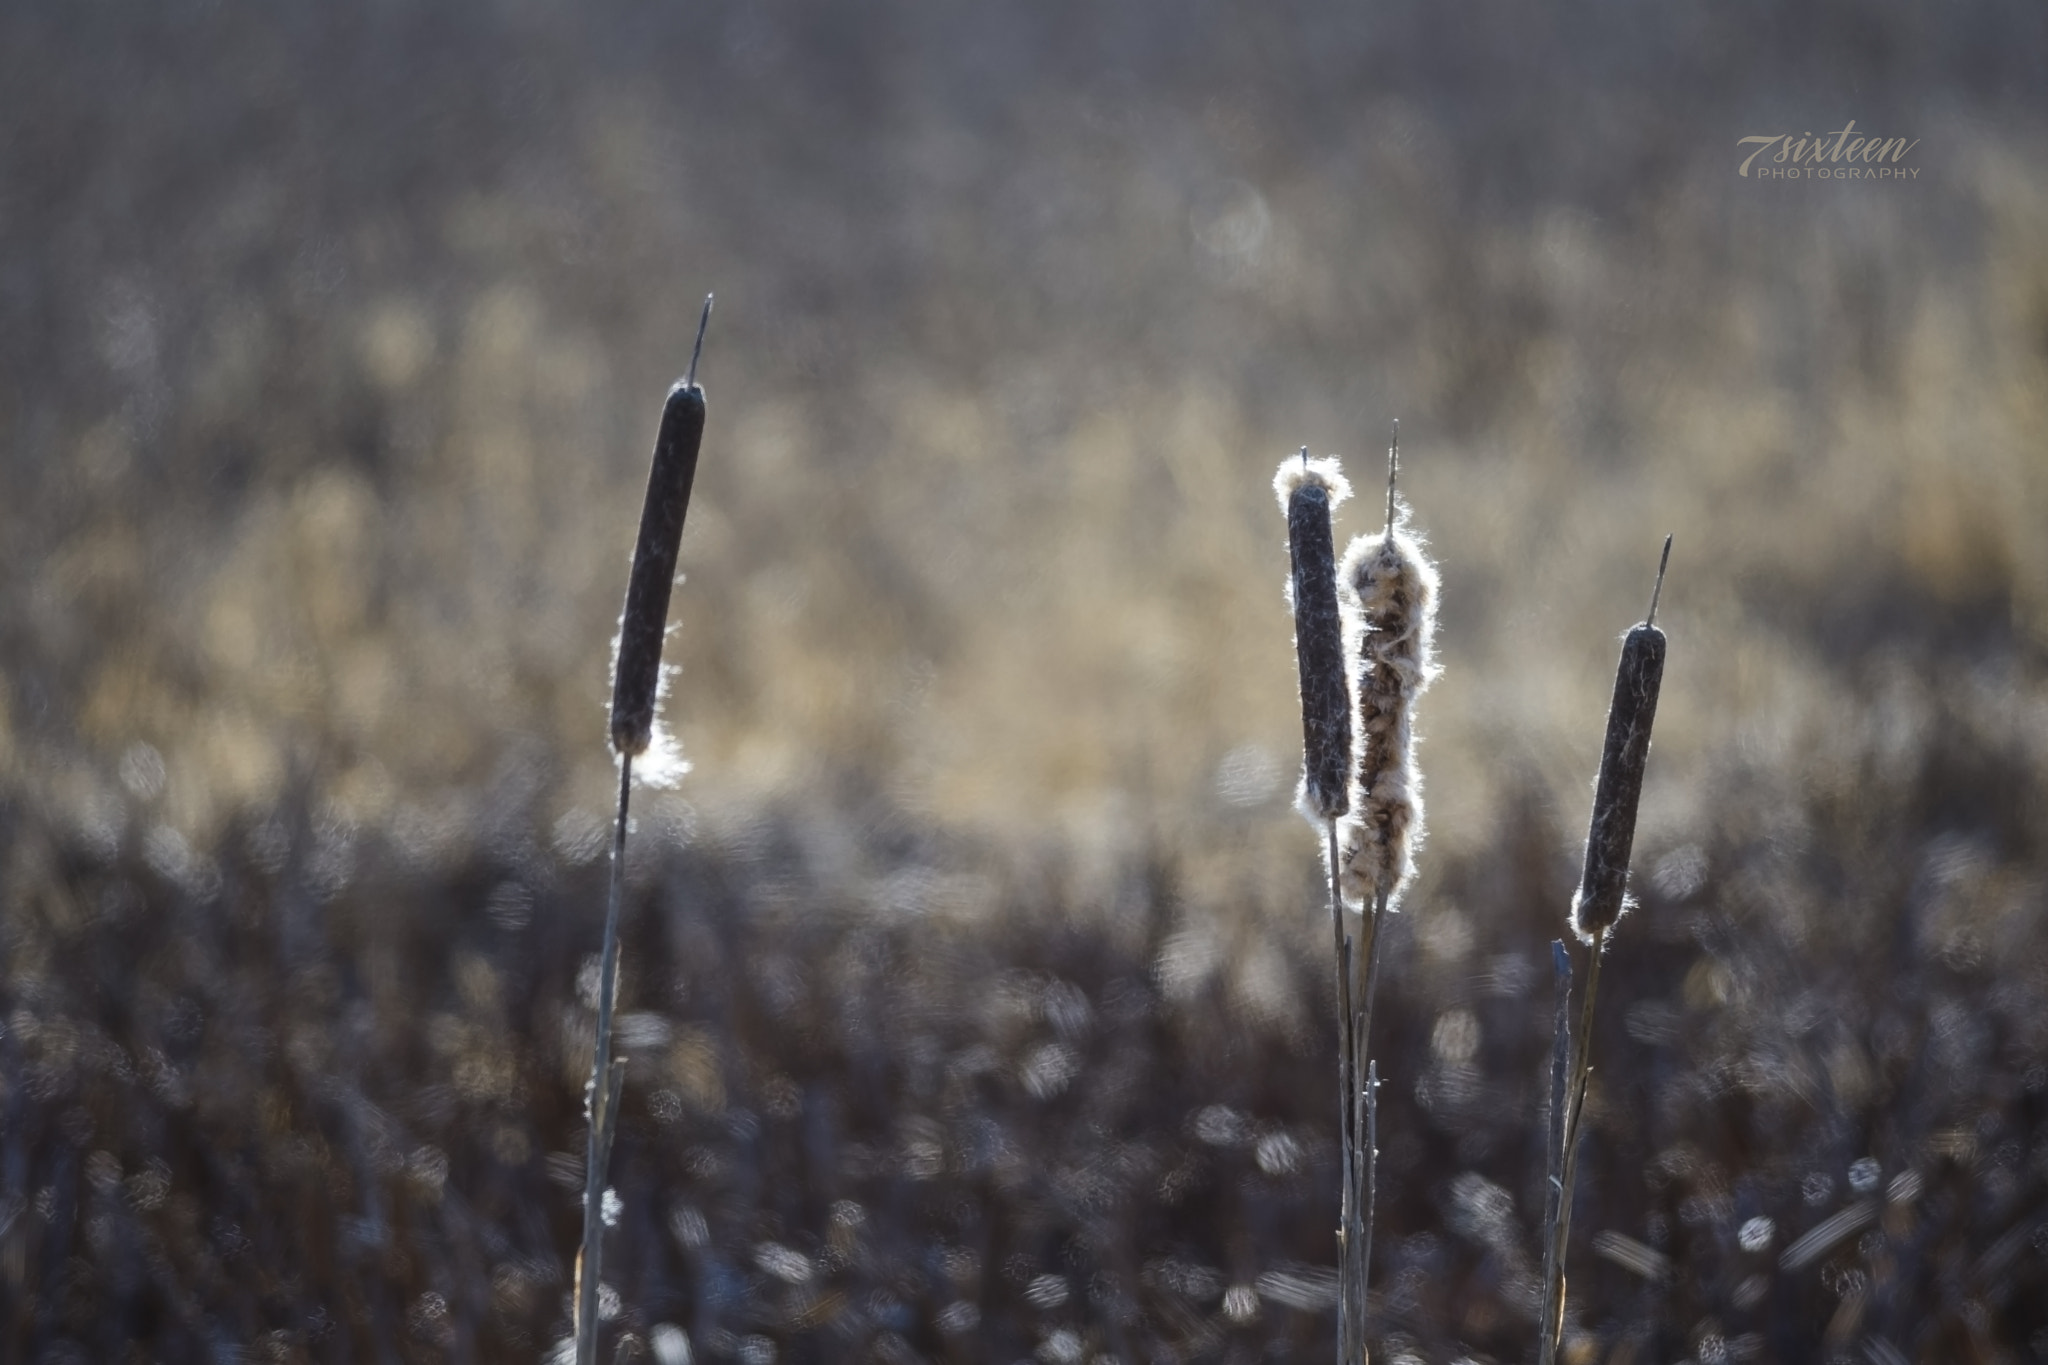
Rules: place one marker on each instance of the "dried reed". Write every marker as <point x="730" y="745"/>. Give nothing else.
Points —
<point x="636" y="693"/>
<point x="1600" y="902"/>
<point x="1389" y="588"/>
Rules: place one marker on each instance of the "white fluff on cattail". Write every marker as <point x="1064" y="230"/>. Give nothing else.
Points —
<point x="661" y="766"/>
<point x="1327" y="471"/>
<point x="1388" y="587"/>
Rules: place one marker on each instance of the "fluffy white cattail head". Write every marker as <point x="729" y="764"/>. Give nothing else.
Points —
<point x="1390" y="588"/>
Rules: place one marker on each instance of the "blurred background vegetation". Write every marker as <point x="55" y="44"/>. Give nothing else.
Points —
<point x="978" y="995"/>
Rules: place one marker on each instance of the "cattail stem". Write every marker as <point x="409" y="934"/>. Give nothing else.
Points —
<point x="1560" y="1105"/>
<point x="1365" y="1115"/>
<point x="1361" y="1118"/>
<point x="1357" y="988"/>
<point x="1349" y="1325"/>
<point x="605" y="1079"/>
<point x="1372" y="1188"/>
<point x="1568" y="1160"/>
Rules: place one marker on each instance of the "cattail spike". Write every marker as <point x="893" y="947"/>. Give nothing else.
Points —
<point x="1656" y="592"/>
<point x="1308" y="491"/>
<point x="1602" y="897"/>
<point x="1393" y="470"/>
<point x="636" y="682"/>
<point x="703" y="321"/>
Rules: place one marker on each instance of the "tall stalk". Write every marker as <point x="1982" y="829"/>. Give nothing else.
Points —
<point x="603" y="1098"/>
<point x="635" y="730"/>
<point x="1602" y="899"/>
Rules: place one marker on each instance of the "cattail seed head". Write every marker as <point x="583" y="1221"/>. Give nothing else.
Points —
<point x="1390" y="589"/>
<point x="1308" y="491"/>
<point x="1602" y="897"/>
<point x="637" y="676"/>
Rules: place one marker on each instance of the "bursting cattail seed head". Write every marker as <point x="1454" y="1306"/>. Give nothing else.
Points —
<point x="637" y="681"/>
<point x="1308" y="491"/>
<point x="1390" y="590"/>
<point x="1602" y="897"/>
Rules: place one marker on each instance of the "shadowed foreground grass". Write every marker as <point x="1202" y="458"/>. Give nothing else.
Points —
<point x="290" y="1098"/>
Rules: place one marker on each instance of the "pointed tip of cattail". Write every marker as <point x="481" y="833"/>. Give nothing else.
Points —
<point x="1393" y="473"/>
<point x="1300" y="471"/>
<point x="1656" y="592"/>
<point x="697" y="351"/>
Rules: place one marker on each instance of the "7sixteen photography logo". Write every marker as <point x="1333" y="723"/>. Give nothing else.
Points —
<point x="1840" y="155"/>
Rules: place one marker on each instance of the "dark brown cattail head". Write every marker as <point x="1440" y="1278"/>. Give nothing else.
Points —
<point x="636" y="681"/>
<point x="1308" y="491"/>
<point x="1602" y="898"/>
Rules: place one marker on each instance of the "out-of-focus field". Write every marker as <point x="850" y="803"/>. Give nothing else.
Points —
<point x="977" y="995"/>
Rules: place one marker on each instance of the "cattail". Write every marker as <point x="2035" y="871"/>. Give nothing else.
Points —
<point x="1309" y="490"/>
<point x="1390" y="588"/>
<point x="1601" y="900"/>
<point x="636" y="696"/>
<point x="1602" y="897"/>
<point x="636" y="683"/>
